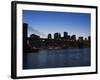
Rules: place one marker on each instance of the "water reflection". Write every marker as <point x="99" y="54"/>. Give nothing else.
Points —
<point x="47" y="58"/>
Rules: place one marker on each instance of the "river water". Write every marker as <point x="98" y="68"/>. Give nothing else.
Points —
<point x="54" y="58"/>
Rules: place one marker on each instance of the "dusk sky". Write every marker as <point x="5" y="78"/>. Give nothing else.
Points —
<point x="45" y="22"/>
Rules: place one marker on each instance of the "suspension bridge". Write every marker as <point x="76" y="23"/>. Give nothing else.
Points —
<point x="32" y="30"/>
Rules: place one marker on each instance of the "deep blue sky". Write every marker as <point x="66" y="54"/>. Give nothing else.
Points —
<point x="45" y="22"/>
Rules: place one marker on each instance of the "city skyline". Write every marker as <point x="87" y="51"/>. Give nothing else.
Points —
<point x="49" y="36"/>
<point x="52" y="22"/>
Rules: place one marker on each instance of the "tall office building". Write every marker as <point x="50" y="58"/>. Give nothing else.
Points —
<point x="89" y="38"/>
<point x="57" y="36"/>
<point x="65" y="35"/>
<point x="49" y="36"/>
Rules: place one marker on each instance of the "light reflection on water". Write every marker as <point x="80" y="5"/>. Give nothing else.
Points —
<point x="51" y="58"/>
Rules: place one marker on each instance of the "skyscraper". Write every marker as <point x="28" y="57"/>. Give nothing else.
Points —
<point x="57" y="36"/>
<point x="65" y="35"/>
<point x="89" y="38"/>
<point x="49" y="36"/>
